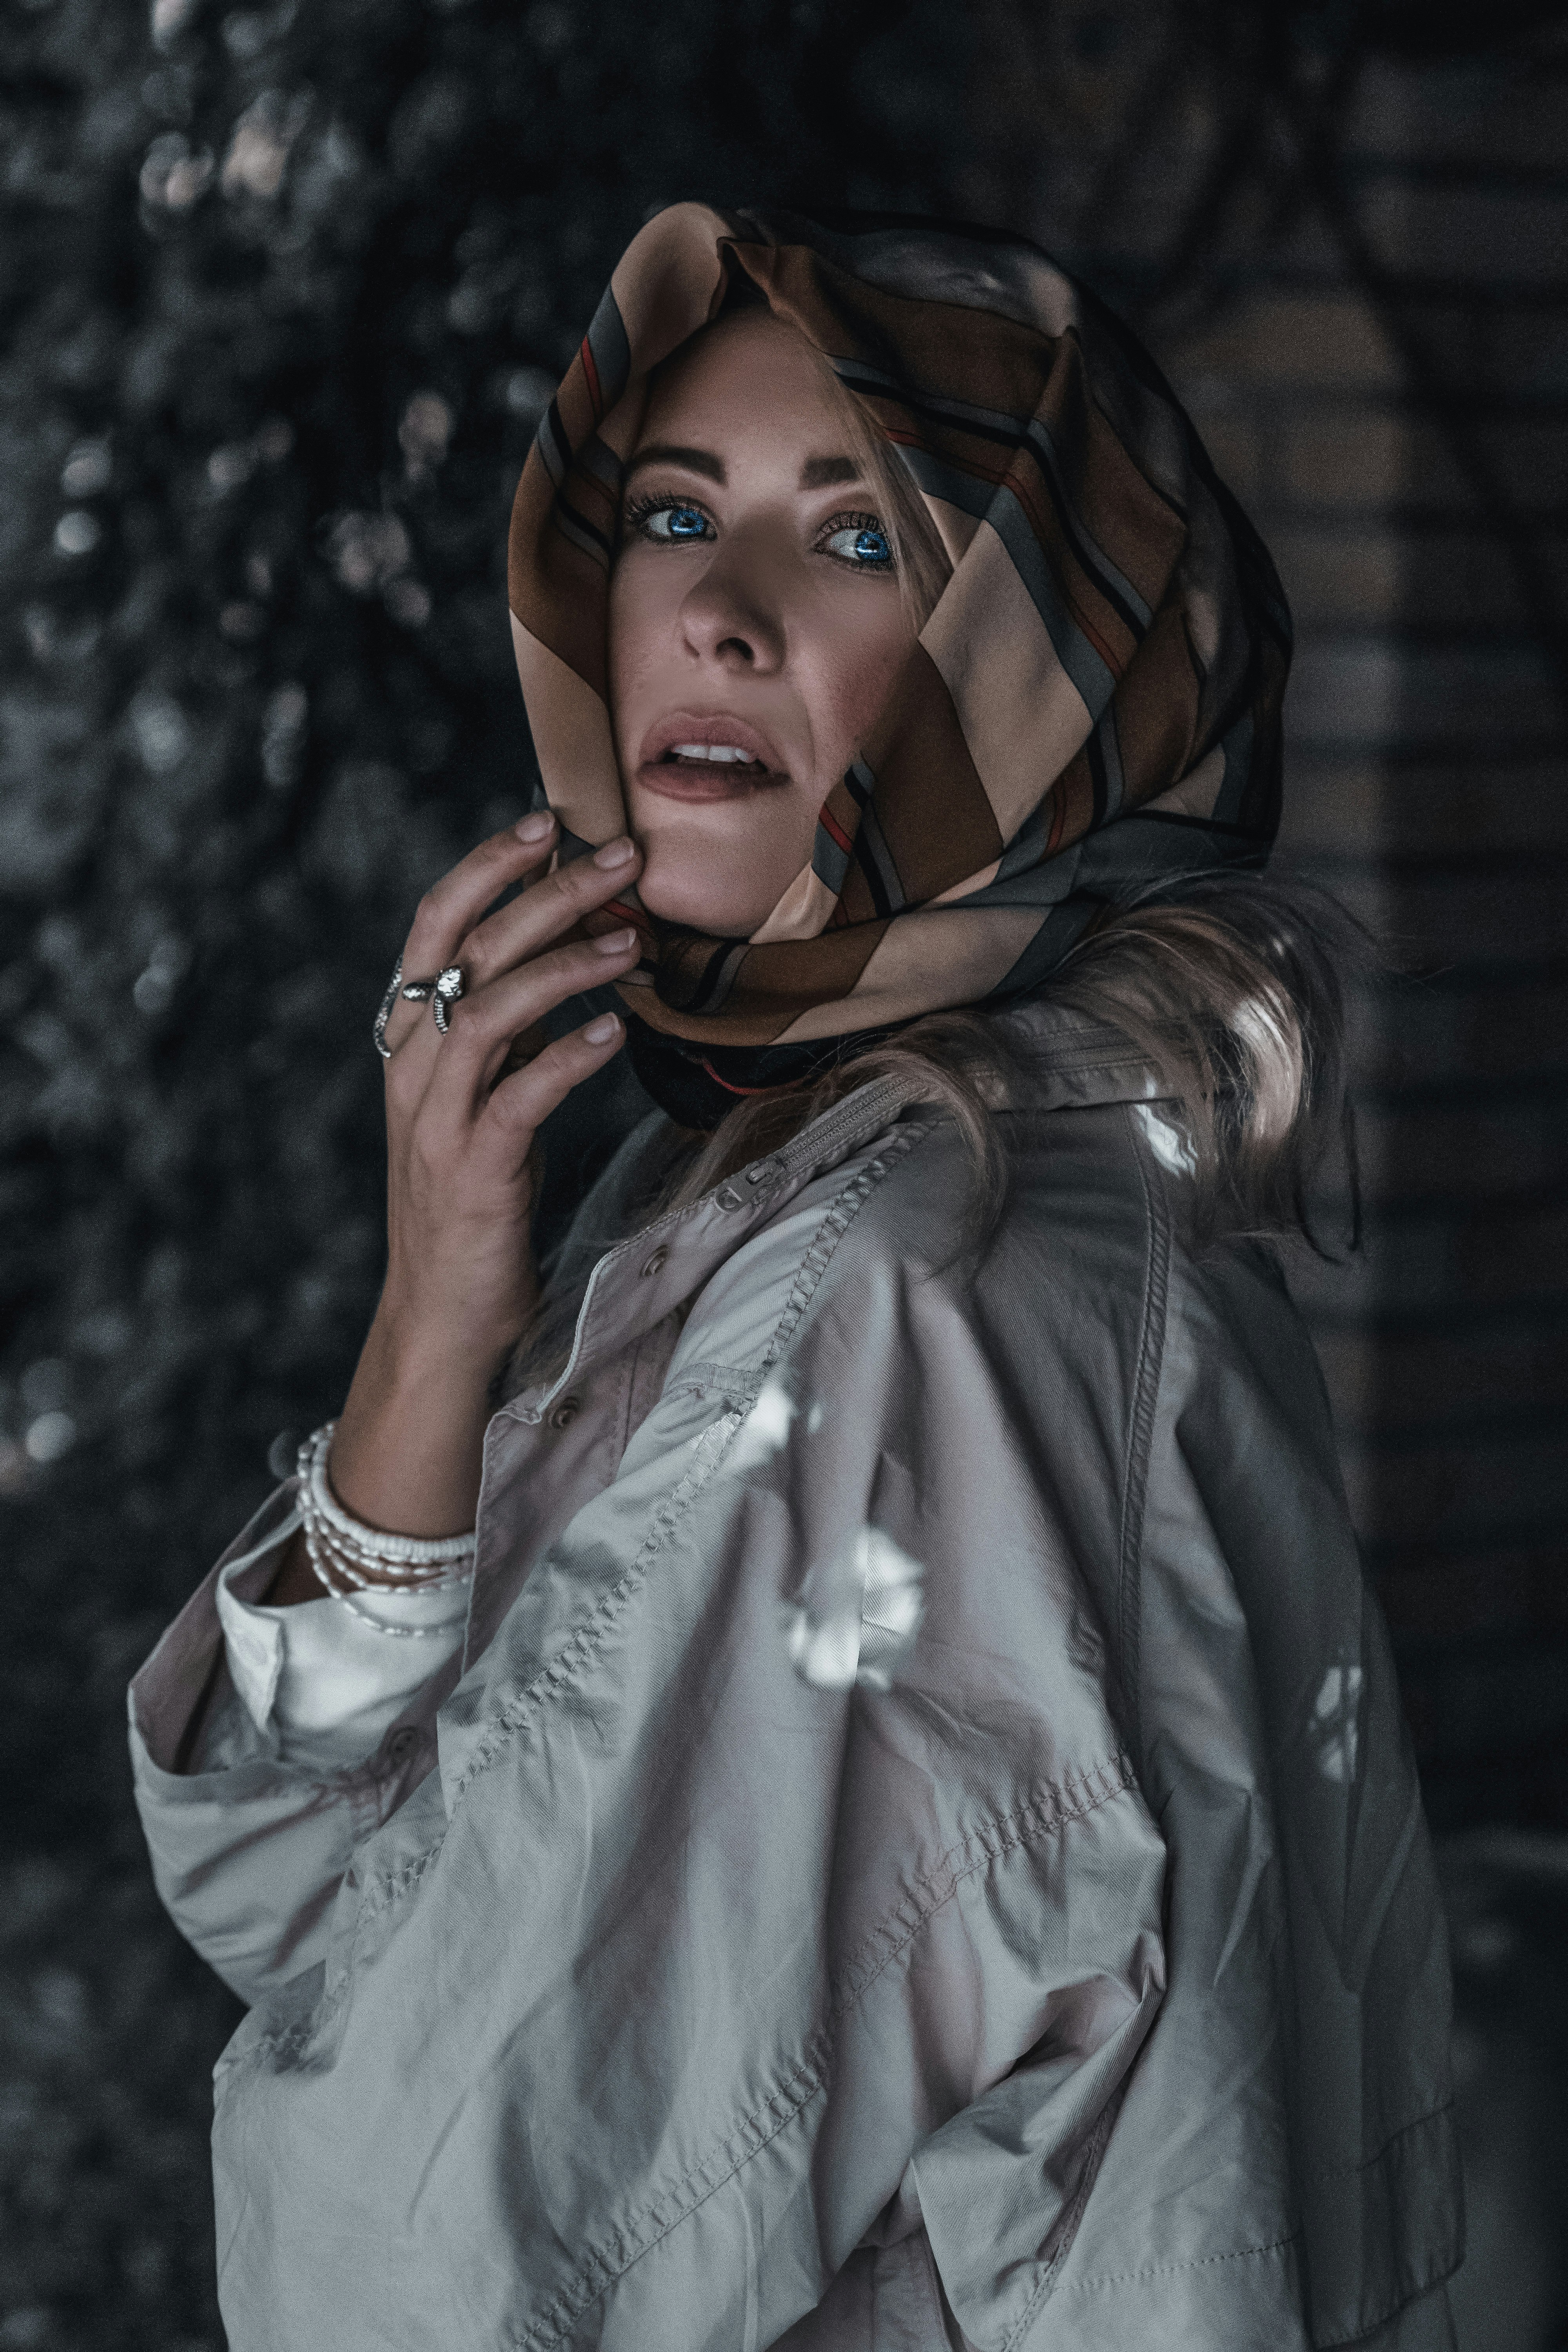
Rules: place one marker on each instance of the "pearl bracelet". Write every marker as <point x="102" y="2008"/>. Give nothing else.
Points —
<point x="347" y="1556"/>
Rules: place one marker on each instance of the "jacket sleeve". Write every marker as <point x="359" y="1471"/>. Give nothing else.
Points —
<point x="264" y="1744"/>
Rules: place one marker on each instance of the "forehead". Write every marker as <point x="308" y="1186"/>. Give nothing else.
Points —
<point x="747" y="380"/>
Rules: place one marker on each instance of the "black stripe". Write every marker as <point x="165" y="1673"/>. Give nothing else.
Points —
<point x="868" y="864"/>
<point x="1097" y="777"/>
<point x="565" y="507"/>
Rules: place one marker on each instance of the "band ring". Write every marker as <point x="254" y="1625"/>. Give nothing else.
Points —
<point x="440" y="992"/>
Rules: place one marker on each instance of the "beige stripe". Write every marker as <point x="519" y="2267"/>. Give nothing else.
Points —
<point x="1197" y="794"/>
<point x="572" y="738"/>
<point x="955" y="528"/>
<point x="925" y="962"/>
<point x="1022" y="715"/>
<point x="969" y="884"/>
<point x="801" y="913"/>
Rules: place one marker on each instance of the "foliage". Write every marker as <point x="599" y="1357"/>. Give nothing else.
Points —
<point x="285" y="291"/>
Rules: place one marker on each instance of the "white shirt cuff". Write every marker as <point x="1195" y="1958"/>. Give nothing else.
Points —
<point x="319" y="1676"/>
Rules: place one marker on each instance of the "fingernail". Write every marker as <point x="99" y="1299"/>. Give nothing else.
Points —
<point x="615" y="943"/>
<point x="614" y="853"/>
<point x="535" y="827"/>
<point x="600" y="1032"/>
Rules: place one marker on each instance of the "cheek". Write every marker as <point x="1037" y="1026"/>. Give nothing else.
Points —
<point x="861" y="646"/>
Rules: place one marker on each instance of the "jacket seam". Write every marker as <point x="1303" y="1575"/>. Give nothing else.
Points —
<point x="1074" y="2215"/>
<point x="1175" y="2270"/>
<point x="560" y="1671"/>
<point x="1140" y="1432"/>
<point x="808" y="2076"/>
<point x="1010" y="1831"/>
<point x="839" y="1216"/>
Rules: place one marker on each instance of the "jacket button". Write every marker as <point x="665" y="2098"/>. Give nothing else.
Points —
<point x="566" y="1412"/>
<point x="656" y="1263"/>
<point x="401" y="1744"/>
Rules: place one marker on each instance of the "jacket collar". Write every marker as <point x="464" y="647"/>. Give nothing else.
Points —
<point x="1075" y="1064"/>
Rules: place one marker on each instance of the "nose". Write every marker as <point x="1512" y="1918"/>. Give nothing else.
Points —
<point x="730" y="615"/>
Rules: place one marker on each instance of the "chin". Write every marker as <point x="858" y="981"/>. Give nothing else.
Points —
<point x="681" y="885"/>
<point x="678" y="901"/>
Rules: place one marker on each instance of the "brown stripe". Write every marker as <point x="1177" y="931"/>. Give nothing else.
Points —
<point x="773" y="986"/>
<point x="931" y="804"/>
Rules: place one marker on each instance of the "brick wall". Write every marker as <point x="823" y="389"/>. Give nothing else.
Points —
<point x="1379" y="363"/>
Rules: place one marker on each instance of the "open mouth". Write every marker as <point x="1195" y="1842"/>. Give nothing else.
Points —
<point x="708" y="756"/>
<point x="714" y="755"/>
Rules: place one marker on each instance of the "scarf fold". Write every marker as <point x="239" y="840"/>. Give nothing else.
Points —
<point x="1092" y="707"/>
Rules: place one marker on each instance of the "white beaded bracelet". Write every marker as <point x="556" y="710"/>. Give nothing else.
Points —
<point x="348" y="1555"/>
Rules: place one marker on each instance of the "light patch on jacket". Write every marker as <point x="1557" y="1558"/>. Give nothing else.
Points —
<point x="764" y="1431"/>
<point x="1167" y="1139"/>
<point x="858" y="1616"/>
<point x="1334" y="1726"/>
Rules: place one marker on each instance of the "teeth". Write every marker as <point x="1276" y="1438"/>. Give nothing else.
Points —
<point x="729" y="753"/>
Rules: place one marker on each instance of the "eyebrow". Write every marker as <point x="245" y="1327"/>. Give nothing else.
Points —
<point x="671" y="452"/>
<point x="823" y="473"/>
<point x="816" y="474"/>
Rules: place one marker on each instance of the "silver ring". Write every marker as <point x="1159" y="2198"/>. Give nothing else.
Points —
<point x="443" y="990"/>
<point x="388" y="1001"/>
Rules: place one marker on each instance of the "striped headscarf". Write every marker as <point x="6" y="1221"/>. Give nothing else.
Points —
<point x="1093" y="705"/>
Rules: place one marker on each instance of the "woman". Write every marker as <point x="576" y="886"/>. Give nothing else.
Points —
<point x="894" y="1828"/>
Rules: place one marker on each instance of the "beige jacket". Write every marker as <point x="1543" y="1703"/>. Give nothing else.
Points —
<point x="923" y="1850"/>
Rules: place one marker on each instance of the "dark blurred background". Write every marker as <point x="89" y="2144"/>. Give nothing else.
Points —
<point x="285" y="289"/>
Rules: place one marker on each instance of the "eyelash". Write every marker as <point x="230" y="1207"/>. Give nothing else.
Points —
<point x="637" y="511"/>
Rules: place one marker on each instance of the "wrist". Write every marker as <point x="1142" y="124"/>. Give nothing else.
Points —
<point x="411" y="1354"/>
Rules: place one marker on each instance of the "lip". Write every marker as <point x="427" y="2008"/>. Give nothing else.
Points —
<point x="708" y="783"/>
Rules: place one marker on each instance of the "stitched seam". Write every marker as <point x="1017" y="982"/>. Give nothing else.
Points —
<point x="1140" y="1434"/>
<point x="841" y="1214"/>
<point x="572" y="2301"/>
<point x="794" y="2094"/>
<point x="817" y="1141"/>
<point x="1071" y="2221"/>
<point x="1175" y="2270"/>
<point x="942" y="1880"/>
<point x="563" y="1669"/>
<point x="697" y="1379"/>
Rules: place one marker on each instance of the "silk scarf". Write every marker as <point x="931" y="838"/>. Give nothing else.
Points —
<point x="1093" y="707"/>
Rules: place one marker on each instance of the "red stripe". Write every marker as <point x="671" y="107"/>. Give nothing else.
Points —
<point x="592" y="372"/>
<point x="831" y="824"/>
<point x="728" y="1090"/>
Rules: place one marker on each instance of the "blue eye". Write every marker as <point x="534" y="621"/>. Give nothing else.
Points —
<point x="675" y="524"/>
<point x="866" y="545"/>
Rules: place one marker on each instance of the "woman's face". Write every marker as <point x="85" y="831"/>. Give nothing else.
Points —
<point x="755" y="623"/>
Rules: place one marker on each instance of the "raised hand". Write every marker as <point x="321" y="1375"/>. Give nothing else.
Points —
<point x="463" y="1109"/>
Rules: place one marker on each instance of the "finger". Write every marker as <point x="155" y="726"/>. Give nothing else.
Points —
<point x="553" y="909"/>
<point x="520" y="1104"/>
<point x="483" y="1026"/>
<point x="451" y="907"/>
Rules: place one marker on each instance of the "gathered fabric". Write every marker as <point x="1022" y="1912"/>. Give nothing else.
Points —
<point x="1092" y="707"/>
